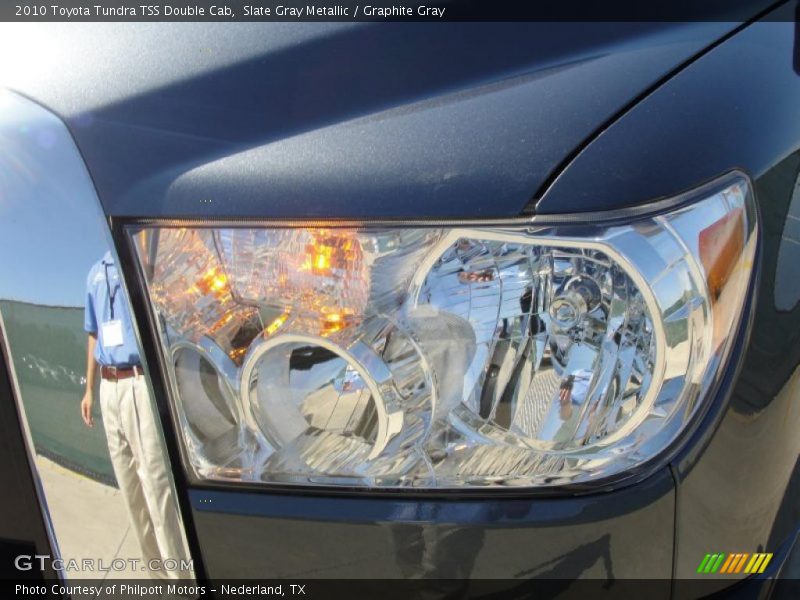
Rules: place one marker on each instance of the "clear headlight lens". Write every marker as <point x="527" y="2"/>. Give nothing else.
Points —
<point x="518" y="355"/>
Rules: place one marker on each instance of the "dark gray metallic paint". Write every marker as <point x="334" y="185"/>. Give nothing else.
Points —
<point x="278" y="536"/>
<point x="735" y="107"/>
<point x="373" y="120"/>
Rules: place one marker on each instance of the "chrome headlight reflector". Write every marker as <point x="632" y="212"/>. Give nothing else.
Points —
<point x="518" y="354"/>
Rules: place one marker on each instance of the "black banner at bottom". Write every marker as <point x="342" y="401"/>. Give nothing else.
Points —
<point x="390" y="589"/>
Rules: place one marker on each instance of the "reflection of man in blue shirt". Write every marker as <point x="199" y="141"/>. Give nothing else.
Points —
<point x="133" y="441"/>
<point x="105" y="304"/>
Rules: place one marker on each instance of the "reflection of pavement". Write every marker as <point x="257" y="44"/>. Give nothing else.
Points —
<point x="533" y="410"/>
<point x="90" y="521"/>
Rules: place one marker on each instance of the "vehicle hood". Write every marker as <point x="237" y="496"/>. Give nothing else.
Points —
<point x="365" y="120"/>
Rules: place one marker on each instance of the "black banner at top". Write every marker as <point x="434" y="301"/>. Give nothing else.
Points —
<point x="386" y="10"/>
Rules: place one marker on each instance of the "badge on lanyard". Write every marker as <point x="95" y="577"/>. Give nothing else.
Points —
<point x="112" y="334"/>
<point x="112" y="329"/>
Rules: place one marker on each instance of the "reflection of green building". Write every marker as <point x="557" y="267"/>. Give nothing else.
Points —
<point x="49" y="354"/>
<point x="677" y="329"/>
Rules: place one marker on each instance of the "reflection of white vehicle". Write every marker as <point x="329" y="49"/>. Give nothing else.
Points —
<point x="50" y="372"/>
<point x="69" y="374"/>
<point x="43" y="368"/>
<point x="57" y="373"/>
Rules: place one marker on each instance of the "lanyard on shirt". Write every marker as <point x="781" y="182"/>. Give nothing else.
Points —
<point x="111" y="295"/>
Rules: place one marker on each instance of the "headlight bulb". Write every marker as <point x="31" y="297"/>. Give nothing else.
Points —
<point x="568" y="310"/>
<point x="579" y="296"/>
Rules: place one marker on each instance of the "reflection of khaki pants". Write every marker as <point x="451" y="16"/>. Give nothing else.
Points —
<point x="138" y="460"/>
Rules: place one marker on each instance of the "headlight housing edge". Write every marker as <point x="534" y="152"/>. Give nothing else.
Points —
<point x="475" y="431"/>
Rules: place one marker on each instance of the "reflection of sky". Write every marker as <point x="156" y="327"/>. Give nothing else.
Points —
<point x="51" y="227"/>
<point x="49" y="60"/>
<point x="690" y="227"/>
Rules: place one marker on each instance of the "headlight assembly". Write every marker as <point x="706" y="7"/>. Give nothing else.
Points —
<point x="517" y="354"/>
